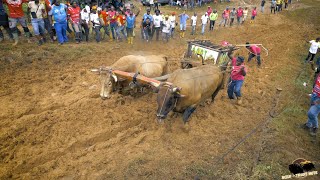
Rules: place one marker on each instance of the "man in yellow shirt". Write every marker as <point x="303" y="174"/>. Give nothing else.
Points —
<point x="213" y="17"/>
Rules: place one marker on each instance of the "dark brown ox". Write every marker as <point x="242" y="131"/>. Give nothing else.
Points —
<point x="187" y="89"/>
<point x="149" y="66"/>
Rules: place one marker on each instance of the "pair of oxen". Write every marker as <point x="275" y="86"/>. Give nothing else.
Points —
<point x="180" y="91"/>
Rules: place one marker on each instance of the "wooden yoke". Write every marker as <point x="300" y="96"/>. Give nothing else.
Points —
<point x="139" y="78"/>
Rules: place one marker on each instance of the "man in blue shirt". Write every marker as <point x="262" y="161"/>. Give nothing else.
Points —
<point x="183" y="23"/>
<point x="131" y="23"/>
<point x="4" y="22"/>
<point x="145" y="17"/>
<point x="59" y="13"/>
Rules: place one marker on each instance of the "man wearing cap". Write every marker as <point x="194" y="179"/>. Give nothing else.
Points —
<point x="157" y="23"/>
<point x="213" y="17"/>
<point x="204" y="21"/>
<point x="254" y="50"/>
<point x="183" y="23"/>
<point x="238" y="73"/>
<point x="172" y="19"/>
<point x="166" y="29"/>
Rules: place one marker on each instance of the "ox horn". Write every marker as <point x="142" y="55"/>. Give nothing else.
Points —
<point x="175" y="89"/>
<point x="114" y="77"/>
<point x="96" y="71"/>
<point x="162" y="78"/>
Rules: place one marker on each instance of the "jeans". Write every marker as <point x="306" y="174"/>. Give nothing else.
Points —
<point x="224" y="21"/>
<point x="48" y="27"/>
<point x="165" y="36"/>
<point x="193" y="32"/>
<point x="313" y="112"/>
<point x="86" y="31"/>
<point x="273" y="9"/>
<point x="234" y="88"/>
<point x="157" y="30"/>
<point x="147" y="34"/>
<point x="212" y="25"/>
<point x="129" y="32"/>
<point x="239" y="20"/>
<point x="113" y="27"/>
<point x="231" y="21"/>
<point x="97" y="31"/>
<point x="253" y="55"/>
<point x="77" y="30"/>
<point x="61" y="31"/>
<point x="120" y="29"/>
<point x="203" y="28"/>
<point x="37" y="24"/>
<point x="4" y="22"/>
<point x="172" y="32"/>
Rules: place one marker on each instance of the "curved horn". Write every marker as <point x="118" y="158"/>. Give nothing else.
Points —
<point x="114" y="77"/>
<point x="175" y="89"/>
<point x="96" y="71"/>
<point x="162" y="78"/>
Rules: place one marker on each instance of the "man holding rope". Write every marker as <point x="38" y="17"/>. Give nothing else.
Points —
<point x="254" y="50"/>
<point x="236" y="78"/>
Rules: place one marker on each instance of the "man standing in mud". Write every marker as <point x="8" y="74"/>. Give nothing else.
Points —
<point x="238" y="73"/>
<point x="4" y="22"/>
<point x="183" y="23"/>
<point x="254" y="51"/>
<point x="314" y="110"/>
<point x="315" y="44"/>
<point x="16" y="16"/>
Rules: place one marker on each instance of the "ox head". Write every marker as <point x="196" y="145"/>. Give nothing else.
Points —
<point x="167" y="98"/>
<point x="108" y="80"/>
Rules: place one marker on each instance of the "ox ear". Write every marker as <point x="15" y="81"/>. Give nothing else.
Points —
<point x="114" y="77"/>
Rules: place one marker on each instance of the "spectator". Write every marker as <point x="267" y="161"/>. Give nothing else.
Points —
<point x="273" y="6"/>
<point x="204" y="21"/>
<point x="36" y="11"/>
<point x="16" y="15"/>
<point x="157" y="23"/>
<point x="245" y="14"/>
<point x="253" y="14"/>
<point x="209" y="11"/>
<point x="183" y="23"/>
<point x="131" y="21"/>
<point x="47" y="18"/>
<point x="173" y="22"/>
<point x="121" y="20"/>
<point x="315" y="44"/>
<point x="85" y="18"/>
<point x="74" y="13"/>
<point x="286" y="3"/>
<point x="166" y="29"/>
<point x="105" y="23"/>
<point x="194" y="23"/>
<point x="59" y="13"/>
<point x="4" y="22"/>
<point x="96" y="24"/>
<point x="233" y="13"/>
<point x="239" y="15"/>
<point x="263" y="2"/>
<point x="113" y="22"/>
<point x="146" y="26"/>
<point x="213" y="17"/>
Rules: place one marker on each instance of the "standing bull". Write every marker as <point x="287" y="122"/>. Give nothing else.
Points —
<point x="149" y="66"/>
<point x="187" y="89"/>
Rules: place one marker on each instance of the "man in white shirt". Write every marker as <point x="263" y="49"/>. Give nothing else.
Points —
<point x="96" y="24"/>
<point x="315" y="44"/>
<point x="172" y="19"/>
<point x="85" y="18"/>
<point x="204" y="21"/>
<point x="166" y="29"/>
<point x="193" y="23"/>
<point x="157" y="22"/>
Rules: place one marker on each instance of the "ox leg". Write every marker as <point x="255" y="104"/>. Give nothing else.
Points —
<point x="216" y="92"/>
<point x="187" y="113"/>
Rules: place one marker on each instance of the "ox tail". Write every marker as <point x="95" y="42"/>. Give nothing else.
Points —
<point x="162" y="78"/>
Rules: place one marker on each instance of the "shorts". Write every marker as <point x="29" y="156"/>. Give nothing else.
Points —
<point x="183" y="27"/>
<point x="37" y="24"/>
<point x="14" y="21"/>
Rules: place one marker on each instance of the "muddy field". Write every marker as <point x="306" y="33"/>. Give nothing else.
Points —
<point x="55" y="126"/>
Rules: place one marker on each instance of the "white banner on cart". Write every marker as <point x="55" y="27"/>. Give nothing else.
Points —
<point x="205" y="53"/>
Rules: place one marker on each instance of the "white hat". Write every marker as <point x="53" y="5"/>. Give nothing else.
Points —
<point x="99" y="9"/>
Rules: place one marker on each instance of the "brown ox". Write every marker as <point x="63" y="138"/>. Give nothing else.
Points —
<point x="149" y="66"/>
<point x="187" y="89"/>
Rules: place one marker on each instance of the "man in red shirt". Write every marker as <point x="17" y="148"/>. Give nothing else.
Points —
<point x="121" y="25"/>
<point x="239" y="15"/>
<point x="113" y="22"/>
<point x="75" y="16"/>
<point x="16" y="15"/>
<point x="254" y="51"/>
<point x="236" y="78"/>
<point x="312" y="122"/>
<point x="103" y="14"/>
